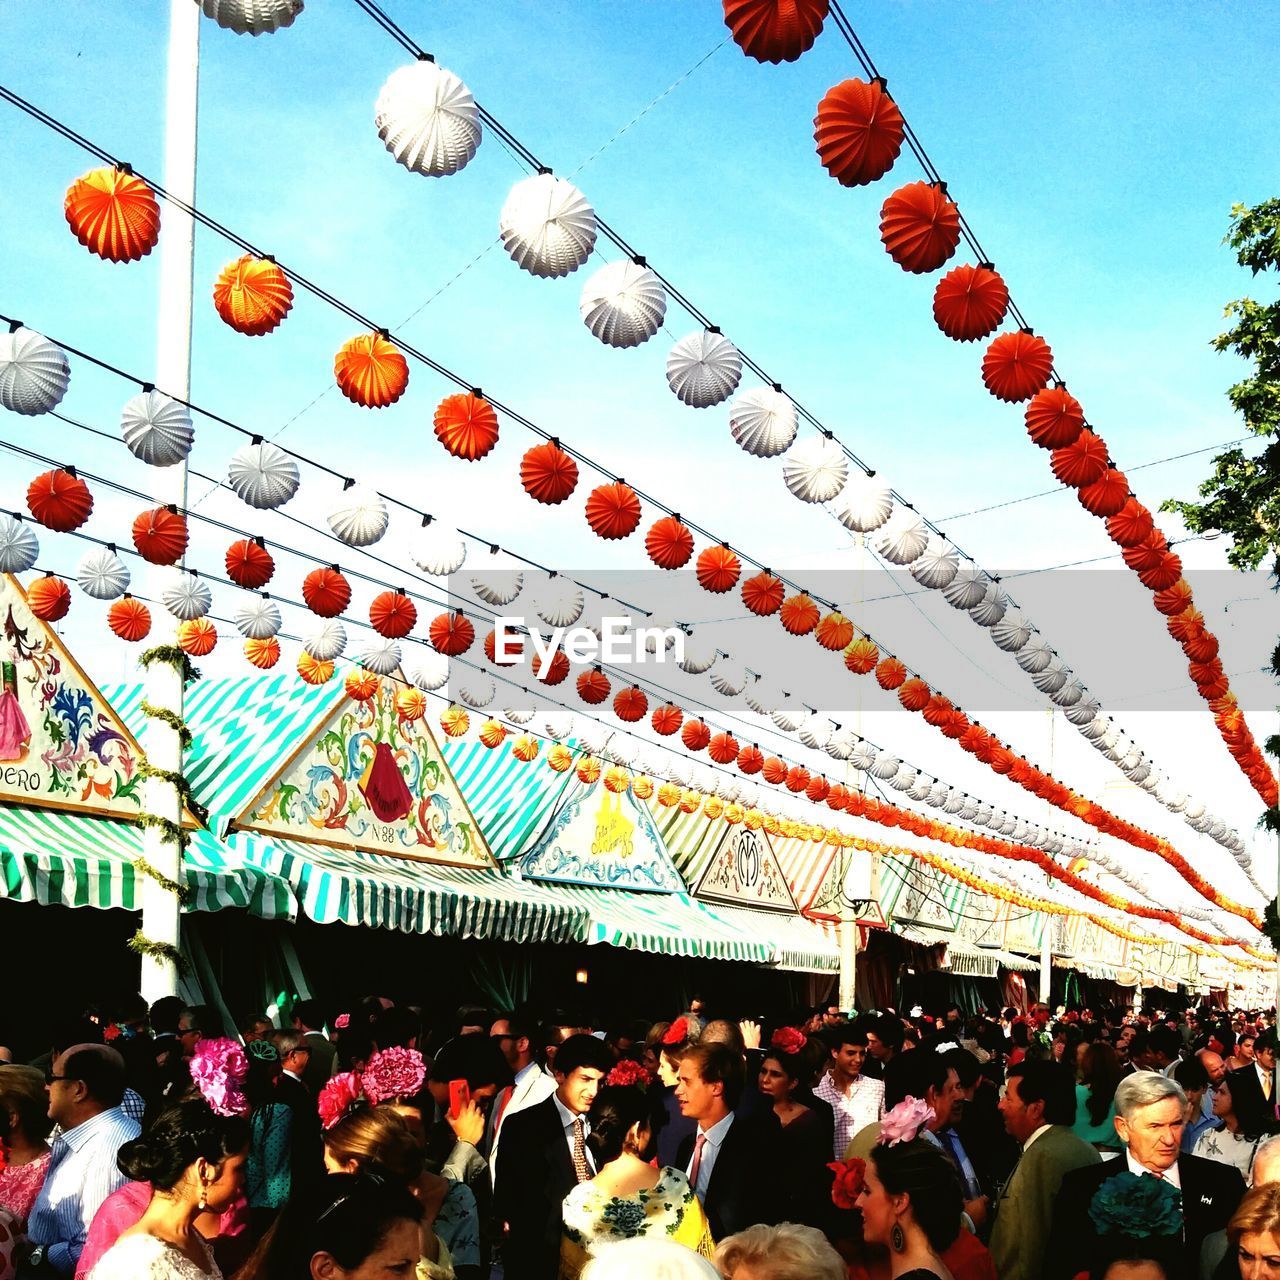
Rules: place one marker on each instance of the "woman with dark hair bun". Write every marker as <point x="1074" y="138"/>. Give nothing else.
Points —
<point x="628" y="1197"/>
<point x="804" y="1145"/>
<point x="194" y="1161"/>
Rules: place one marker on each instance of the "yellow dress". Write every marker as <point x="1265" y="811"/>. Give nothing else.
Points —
<point x="668" y="1210"/>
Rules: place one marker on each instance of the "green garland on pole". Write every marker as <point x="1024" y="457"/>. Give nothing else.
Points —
<point x="179" y="891"/>
<point x="175" y="657"/>
<point x="144" y="946"/>
<point x="180" y="784"/>
<point x="171" y="832"/>
<point x="172" y="719"/>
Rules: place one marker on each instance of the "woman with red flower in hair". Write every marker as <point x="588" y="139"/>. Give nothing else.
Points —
<point x="804" y="1180"/>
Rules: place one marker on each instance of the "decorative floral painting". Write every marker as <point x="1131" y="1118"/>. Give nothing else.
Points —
<point x="744" y="871"/>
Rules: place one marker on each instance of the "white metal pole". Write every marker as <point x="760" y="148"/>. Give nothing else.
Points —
<point x="161" y="911"/>
<point x="1046" y="937"/>
<point x="848" y="920"/>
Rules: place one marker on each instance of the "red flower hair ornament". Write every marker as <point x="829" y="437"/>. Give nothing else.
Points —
<point x="341" y="1095"/>
<point x="788" y="1039"/>
<point x="677" y="1032"/>
<point x="628" y="1073"/>
<point x="851" y="1177"/>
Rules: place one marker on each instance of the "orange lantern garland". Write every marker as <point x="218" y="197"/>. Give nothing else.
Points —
<point x="48" y="598"/>
<point x="113" y="214"/>
<point x="129" y="619"/>
<point x="59" y="500"/>
<point x="466" y="425"/>
<point x="858" y="131"/>
<point x="370" y="371"/>
<point x="252" y="295"/>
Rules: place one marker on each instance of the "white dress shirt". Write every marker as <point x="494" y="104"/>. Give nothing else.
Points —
<point x="1026" y="1146"/>
<point x="853" y="1111"/>
<point x="715" y="1137"/>
<point x="569" y="1120"/>
<point x="1170" y="1175"/>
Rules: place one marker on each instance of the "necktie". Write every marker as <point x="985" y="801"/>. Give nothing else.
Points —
<point x="502" y="1105"/>
<point x="1266" y="1086"/>
<point x="696" y="1166"/>
<point x="580" y="1166"/>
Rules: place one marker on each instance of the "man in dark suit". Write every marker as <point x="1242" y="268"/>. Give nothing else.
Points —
<point x="1150" y="1113"/>
<point x="544" y="1156"/>
<point x="1253" y="1089"/>
<point x="730" y="1160"/>
<point x="306" y="1152"/>
<point x="308" y="1018"/>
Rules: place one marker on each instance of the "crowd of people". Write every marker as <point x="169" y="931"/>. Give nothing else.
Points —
<point x="155" y="1143"/>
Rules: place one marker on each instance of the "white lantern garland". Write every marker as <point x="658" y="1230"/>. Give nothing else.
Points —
<point x="623" y="304"/>
<point x="547" y="226"/>
<point x="156" y="429"/>
<point x="427" y="118"/>
<point x="704" y="368"/>
<point x="34" y="374"/>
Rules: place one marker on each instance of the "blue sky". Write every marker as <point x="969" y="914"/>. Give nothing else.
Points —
<point x="1096" y="148"/>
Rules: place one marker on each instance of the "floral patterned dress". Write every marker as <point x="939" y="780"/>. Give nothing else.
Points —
<point x="20" y="1184"/>
<point x="668" y="1209"/>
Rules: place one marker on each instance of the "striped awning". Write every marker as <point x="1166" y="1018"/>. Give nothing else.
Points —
<point x="797" y="943"/>
<point x="72" y="860"/>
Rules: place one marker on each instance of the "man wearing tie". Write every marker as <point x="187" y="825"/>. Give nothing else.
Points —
<point x="544" y="1156"/>
<point x="1150" y="1112"/>
<point x="1253" y="1088"/>
<point x="514" y="1038"/>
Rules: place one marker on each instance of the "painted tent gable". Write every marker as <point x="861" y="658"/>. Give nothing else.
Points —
<point x="744" y="871"/>
<point x="984" y="920"/>
<point x="366" y="778"/>
<point x="928" y="898"/>
<point x="1025" y="931"/>
<point x="846" y="868"/>
<point x="605" y="839"/>
<point x="62" y="745"/>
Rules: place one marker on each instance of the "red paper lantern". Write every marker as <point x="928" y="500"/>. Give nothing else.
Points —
<point x="1163" y="574"/>
<point x="750" y="759"/>
<point x="370" y="371"/>
<point x="763" y="593"/>
<point x="393" y="614"/>
<point x="718" y="570"/>
<point x="1106" y="495"/>
<point x="797" y="778"/>
<point x="817" y="789"/>
<point x="113" y="214"/>
<point x="263" y="654"/>
<point x="695" y="735"/>
<point x="1054" y="418"/>
<point x="834" y="631"/>
<point x="890" y="673"/>
<point x="1173" y="599"/>
<point x="669" y="543"/>
<point x="666" y="719"/>
<point x="1215" y="687"/>
<point x="197" y="636"/>
<point x="1016" y="365"/>
<point x="861" y="656"/>
<point x="1082" y="461"/>
<point x="160" y="536"/>
<point x="775" y="771"/>
<point x="914" y="694"/>
<point x="252" y="295"/>
<point x="630" y="704"/>
<point x="593" y="686"/>
<point x="466" y="425"/>
<point x="937" y="710"/>
<point x="799" y="615"/>
<point x="491" y="650"/>
<point x="326" y="591"/>
<point x="723" y="748"/>
<point x="774" y="30"/>
<point x="613" y="510"/>
<point x="1205" y="672"/>
<point x="249" y="564"/>
<point x="1131" y="525"/>
<point x="129" y="619"/>
<point x="49" y="598"/>
<point x="1146" y="554"/>
<point x="548" y="474"/>
<point x="837" y="797"/>
<point x="969" y="303"/>
<point x="858" y="130"/>
<point x="451" y="634"/>
<point x="59" y="500"/>
<point x="920" y="227"/>
<point x="1201" y="647"/>
<point x="553" y="672"/>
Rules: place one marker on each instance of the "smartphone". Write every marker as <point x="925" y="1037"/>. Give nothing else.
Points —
<point x="459" y="1096"/>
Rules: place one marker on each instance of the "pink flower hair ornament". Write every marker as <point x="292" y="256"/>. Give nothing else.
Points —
<point x="341" y="1095"/>
<point x="218" y="1069"/>
<point x="393" y="1073"/>
<point x="904" y="1122"/>
<point x="342" y="1022"/>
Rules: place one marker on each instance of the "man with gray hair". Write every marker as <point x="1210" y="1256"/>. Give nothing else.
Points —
<point x="1150" y="1113"/>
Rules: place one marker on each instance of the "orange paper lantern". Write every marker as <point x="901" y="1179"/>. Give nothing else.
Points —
<point x="593" y="686"/>
<point x="890" y="673"/>
<point x="113" y="214"/>
<point x="914" y="694"/>
<point x="313" y="670"/>
<point x="197" y="636"/>
<point x="525" y="749"/>
<point x="466" y="425"/>
<point x="1173" y="599"/>
<point x="920" y="227"/>
<point x="326" y="591"/>
<point x="1081" y="462"/>
<point x="411" y="704"/>
<point x="797" y="778"/>
<point x="723" y="748"/>
<point x="774" y="30"/>
<point x="588" y="770"/>
<point x="252" y="295"/>
<point x="129" y="619"/>
<point x="969" y="303"/>
<point x="559" y="757"/>
<point x="750" y="760"/>
<point x="616" y="779"/>
<point x="160" y="536"/>
<point x="49" y="598"/>
<point x="861" y="656"/>
<point x="1107" y="495"/>
<point x="835" y="631"/>
<point x="249" y="564"/>
<point x="774" y="770"/>
<point x="666" y="719"/>
<point x="1054" y="418"/>
<point x="454" y="720"/>
<point x="1146" y="554"/>
<point x="669" y="543"/>
<point x="492" y="734"/>
<point x="613" y="510"/>
<point x="817" y="789"/>
<point x="59" y="500"/>
<point x="451" y="634"/>
<point x="553" y="672"/>
<point x="718" y="570"/>
<point x="393" y="614"/>
<point x="370" y="371"/>
<point x="1131" y="525"/>
<point x="799" y="615"/>
<point x="548" y="474"/>
<point x="763" y="594"/>
<point x="858" y="130"/>
<point x="1016" y="365"/>
<point x="1163" y="574"/>
<point x="630" y="704"/>
<point x="361" y="685"/>
<point x="264" y="653"/>
<point x="695" y="735"/>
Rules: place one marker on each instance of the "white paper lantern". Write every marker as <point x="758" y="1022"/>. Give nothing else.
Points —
<point x="936" y="565"/>
<point x="884" y="766"/>
<point x="186" y="596"/>
<point x="361" y="517"/>
<point x="864" y="504"/>
<point x="763" y="422"/>
<point x="1011" y="632"/>
<point x="728" y="678"/>
<point x="623" y="304"/>
<point x="863" y="756"/>
<point x="1052" y="677"/>
<point x="156" y="429"/>
<point x="259" y="619"/>
<point x="547" y="226"/>
<point x="19" y="548"/>
<point x="476" y="689"/>
<point x="815" y="469"/>
<point x="621" y="749"/>
<point x="328" y="641"/>
<point x="380" y="656"/>
<point x="103" y="575"/>
<point x="558" y="601"/>
<point x="592" y="736"/>
<point x="431" y="671"/>
<point x="816" y="731"/>
<point x="521" y="714"/>
<point x="427" y="118"/>
<point x="438" y="550"/>
<point x="498" y="586"/>
<point x="992" y="607"/>
<point x="704" y="368"/>
<point x="252" y="17"/>
<point x="904" y="538"/>
<point x="1084" y="712"/>
<point x="938" y="794"/>
<point x="983" y="813"/>
<point x="1070" y="693"/>
<point x="762" y="697"/>
<point x="263" y="475"/>
<point x="905" y="778"/>
<point x="1139" y="773"/>
<point x="699" y="655"/>
<point x="968" y="588"/>
<point x="954" y="801"/>
<point x="1035" y="655"/>
<point x="787" y="715"/>
<point x="34" y="373"/>
<point x="841" y="743"/>
<point x="1094" y="730"/>
<point x="679" y="770"/>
